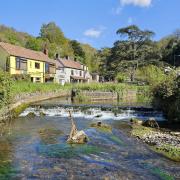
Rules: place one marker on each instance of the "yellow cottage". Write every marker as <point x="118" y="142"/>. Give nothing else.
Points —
<point x="19" y="60"/>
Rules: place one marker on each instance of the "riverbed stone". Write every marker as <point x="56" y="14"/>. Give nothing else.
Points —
<point x="136" y="121"/>
<point x="163" y="142"/>
<point x="31" y="115"/>
<point x="101" y="126"/>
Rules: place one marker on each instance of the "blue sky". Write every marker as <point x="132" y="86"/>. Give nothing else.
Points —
<point x="92" y="21"/>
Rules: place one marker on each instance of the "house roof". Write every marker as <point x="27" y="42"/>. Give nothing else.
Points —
<point x="25" y="53"/>
<point x="68" y="64"/>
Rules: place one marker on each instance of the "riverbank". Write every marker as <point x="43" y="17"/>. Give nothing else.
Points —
<point x="21" y="101"/>
<point x="22" y="93"/>
<point x="164" y="141"/>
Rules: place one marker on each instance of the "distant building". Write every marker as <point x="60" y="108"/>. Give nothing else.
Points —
<point x="95" y="77"/>
<point x="68" y="71"/>
<point x="18" y="60"/>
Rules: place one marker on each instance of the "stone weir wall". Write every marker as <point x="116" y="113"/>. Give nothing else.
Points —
<point x="99" y="95"/>
<point x="28" y="98"/>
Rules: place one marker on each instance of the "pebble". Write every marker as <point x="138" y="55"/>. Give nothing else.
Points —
<point x="160" y="138"/>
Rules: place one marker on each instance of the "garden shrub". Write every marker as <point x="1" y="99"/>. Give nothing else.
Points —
<point x="150" y="74"/>
<point x="167" y="97"/>
<point x="121" y="77"/>
<point x="5" y="88"/>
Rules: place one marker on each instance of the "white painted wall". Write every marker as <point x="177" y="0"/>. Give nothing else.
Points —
<point x="65" y="74"/>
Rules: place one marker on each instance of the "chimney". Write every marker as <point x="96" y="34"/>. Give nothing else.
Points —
<point x="67" y="57"/>
<point x="45" y="51"/>
<point x="57" y="56"/>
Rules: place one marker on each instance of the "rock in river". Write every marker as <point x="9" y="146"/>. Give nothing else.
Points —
<point x="79" y="138"/>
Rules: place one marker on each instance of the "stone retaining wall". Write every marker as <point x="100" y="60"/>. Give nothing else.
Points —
<point x="29" y="98"/>
<point x="99" y="95"/>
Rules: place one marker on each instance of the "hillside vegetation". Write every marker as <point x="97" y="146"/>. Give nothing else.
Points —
<point x="53" y="37"/>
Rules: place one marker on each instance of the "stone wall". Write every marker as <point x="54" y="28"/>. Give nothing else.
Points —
<point x="99" y="95"/>
<point x="29" y="98"/>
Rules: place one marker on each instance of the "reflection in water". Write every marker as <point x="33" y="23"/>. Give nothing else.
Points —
<point x="36" y="147"/>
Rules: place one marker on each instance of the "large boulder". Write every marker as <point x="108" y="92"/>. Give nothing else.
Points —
<point x="151" y="122"/>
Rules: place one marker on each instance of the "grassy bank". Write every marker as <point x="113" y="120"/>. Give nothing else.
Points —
<point x="19" y="87"/>
<point x="112" y="87"/>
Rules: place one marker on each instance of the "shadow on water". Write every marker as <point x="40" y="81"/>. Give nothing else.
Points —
<point x="34" y="147"/>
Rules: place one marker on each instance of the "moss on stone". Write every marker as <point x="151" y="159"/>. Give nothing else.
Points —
<point x="31" y="115"/>
<point x="15" y="112"/>
<point x="139" y="131"/>
<point x="42" y="114"/>
<point x="102" y="127"/>
<point x="169" y="151"/>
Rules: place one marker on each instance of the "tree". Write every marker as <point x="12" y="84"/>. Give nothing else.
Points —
<point x="78" y="51"/>
<point x="91" y="59"/>
<point x="34" y="44"/>
<point x="135" y="37"/>
<point x="53" y="34"/>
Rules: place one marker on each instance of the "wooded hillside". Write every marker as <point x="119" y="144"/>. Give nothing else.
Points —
<point x="52" y="36"/>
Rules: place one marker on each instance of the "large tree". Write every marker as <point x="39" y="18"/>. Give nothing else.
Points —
<point x="135" y="39"/>
<point x="53" y="34"/>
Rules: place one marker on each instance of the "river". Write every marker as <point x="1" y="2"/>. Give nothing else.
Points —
<point x="34" y="147"/>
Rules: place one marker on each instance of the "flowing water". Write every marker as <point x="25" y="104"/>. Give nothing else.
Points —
<point x="34" y="147"/>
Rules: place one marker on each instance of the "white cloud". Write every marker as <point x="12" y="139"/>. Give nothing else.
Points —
<point x="141" y="3"/>
<point x="94" y="32"/>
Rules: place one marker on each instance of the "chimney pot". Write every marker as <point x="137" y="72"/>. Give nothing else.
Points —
<point x="57" y="56"/>
<point x="45" y="51"/>
<point x="67" y="57"/>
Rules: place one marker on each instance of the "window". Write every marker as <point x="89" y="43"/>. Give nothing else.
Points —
<point x="37" y="65"/>
<point x="47" y="68"/>
<point x="80" y="73"/>
<point x="21" y="64"/>
<point x="38" y="79"/>
<point x="72" y="72"/>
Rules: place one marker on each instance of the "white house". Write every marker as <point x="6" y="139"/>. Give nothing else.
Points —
<point x="68" y="71"/>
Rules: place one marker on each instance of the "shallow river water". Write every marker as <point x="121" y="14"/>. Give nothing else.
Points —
<point x="35" y="147"/>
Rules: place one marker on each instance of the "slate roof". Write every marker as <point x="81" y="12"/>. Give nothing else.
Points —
<point x="25" y="53"/>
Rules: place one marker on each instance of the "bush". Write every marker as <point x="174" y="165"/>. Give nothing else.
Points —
<point x="21" y="77"/>
<point x="5" y="88"/>
<point x="121" y="77"/>
<point x="151" y="74"/>
<point x="167" y="97"/>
